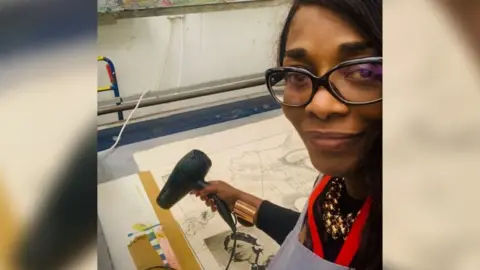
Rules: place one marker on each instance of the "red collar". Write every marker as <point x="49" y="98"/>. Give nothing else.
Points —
<point x="350" y="247"/>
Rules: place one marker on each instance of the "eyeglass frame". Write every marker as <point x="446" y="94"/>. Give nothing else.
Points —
<point x="323" y="81"/>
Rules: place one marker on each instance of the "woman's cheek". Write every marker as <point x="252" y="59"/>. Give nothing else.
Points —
<point x="369" y="112"/>
<point x="294" y="115"/>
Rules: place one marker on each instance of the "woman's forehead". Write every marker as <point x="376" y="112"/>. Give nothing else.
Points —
<point x="317" y="29"/>
<point x="320" y="39"/>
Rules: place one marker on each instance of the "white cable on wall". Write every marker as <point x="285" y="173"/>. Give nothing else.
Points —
<point x="119" y="137"/>
<point x="167" y="53"/>
<point x="179" y="79"/>
<point x="180" y="60"/>
<point x="110" y="150"/>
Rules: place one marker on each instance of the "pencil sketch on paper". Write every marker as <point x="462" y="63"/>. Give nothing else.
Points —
<point x="254" y="249"/>
<point x="276" y="168"/>
<point x="286" y="164"/>
<point x="165" y="177"/>
<point x="191" y="225"/>
<point x="281" y="162"/>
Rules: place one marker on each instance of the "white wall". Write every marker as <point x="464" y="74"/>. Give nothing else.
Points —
<point x="215" y="45"/>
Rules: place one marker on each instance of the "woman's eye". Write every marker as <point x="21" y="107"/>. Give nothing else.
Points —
<point x="360" y="74"/>
<point x="363" y="73"/>
<point x="297" y="78"/>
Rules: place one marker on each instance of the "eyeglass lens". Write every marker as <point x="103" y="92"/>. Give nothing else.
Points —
<point x="354" y="83"/>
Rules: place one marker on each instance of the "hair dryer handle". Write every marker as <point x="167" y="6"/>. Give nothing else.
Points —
<point x="224" y="211"/>
<point x="222" y="207"/>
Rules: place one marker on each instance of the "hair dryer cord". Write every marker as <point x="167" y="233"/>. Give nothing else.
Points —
<point x="234" y="243"/>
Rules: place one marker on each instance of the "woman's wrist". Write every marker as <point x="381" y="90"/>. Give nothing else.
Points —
<point x="245" y="213"/>
<point x="250" y="199"/>
<point x="246" y="207"/>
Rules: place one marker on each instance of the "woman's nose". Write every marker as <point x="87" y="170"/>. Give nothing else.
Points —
<point x="325" y="105"/>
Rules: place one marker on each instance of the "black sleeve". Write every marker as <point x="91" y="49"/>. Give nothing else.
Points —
<point x="276" y="221"/>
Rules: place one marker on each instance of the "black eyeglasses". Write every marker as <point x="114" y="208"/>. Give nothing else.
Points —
<point x="354" y="82"/>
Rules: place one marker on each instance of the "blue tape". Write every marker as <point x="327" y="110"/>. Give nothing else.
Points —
<point x="155" y="128"/>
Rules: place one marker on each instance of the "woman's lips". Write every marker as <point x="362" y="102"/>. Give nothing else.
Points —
<point x="332" y="141"/>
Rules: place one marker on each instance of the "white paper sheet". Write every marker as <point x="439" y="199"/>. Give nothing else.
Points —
<point x="266" y="159"/>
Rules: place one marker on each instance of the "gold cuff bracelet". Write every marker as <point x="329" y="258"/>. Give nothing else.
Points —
<point x="245" y="211"/>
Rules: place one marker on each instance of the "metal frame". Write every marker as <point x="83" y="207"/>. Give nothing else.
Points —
<point x="184" y="93"/>
<point x="112" y="74"/>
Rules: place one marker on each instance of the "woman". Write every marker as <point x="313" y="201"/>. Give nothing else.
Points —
<point x="329" y="82"/>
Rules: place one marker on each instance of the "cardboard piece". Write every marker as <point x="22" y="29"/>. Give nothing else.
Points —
<point x="171" y="228"/>
<point x="143" y="254"/>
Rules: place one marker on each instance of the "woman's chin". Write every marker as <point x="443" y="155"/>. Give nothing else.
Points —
<point x="334" y="167"/>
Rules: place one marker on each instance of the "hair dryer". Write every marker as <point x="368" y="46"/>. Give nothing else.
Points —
<point x="189" y="174"/>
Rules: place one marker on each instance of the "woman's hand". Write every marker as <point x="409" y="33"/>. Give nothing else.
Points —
<point x="223" y="190"/>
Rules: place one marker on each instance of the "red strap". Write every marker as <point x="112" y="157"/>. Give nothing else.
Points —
<point x="317" y="244"/>
<point x="352" y="242"/>
<point x="350" y="247"/>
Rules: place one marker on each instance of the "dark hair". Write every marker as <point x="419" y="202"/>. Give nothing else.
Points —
<point x="366" y="17"/>
<point x="242" y="237"/>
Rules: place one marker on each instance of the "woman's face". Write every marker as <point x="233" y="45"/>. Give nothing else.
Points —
<point x="334" y="133"/>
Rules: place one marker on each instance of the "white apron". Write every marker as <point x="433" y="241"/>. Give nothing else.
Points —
<point x="293" y="255"/>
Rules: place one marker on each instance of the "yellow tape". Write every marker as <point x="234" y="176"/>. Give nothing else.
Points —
<point x="106" y="88"/>
<point x="103" y="89"/>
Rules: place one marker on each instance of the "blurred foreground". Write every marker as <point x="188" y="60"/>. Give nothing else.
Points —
<point x="431" y="137"/>
<point x="47" y="156"/>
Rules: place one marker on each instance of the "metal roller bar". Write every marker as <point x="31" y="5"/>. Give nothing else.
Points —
<point x="205" y="91"/>
<point x="177" y="90"/>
